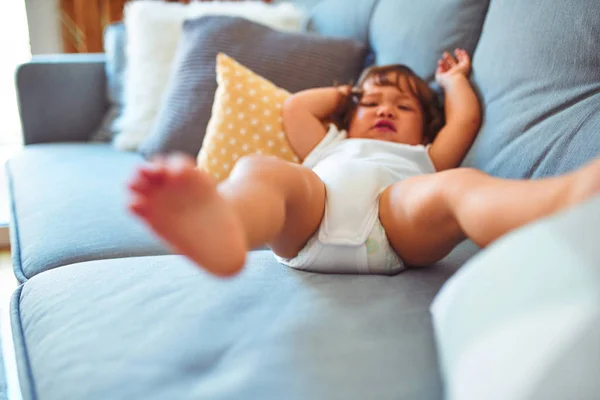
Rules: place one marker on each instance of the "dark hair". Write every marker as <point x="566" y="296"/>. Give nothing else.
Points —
<point x="433" y="115"/>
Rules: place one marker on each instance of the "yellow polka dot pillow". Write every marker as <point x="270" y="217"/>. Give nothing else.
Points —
<point x="246" y="119"/>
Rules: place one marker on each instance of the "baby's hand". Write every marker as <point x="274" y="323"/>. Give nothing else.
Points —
<point x="449" y="67"/>
<point x="344" y="89"/>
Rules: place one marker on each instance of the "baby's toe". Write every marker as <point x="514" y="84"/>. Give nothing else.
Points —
<point x="140" y="185"/>
<point x="138" y="205"/>
<point x="154" y="173"/>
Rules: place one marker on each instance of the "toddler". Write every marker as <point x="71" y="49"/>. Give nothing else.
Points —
<point x="378" y="189"/>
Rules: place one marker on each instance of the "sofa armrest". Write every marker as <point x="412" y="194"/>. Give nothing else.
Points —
<point x="62" y="98"/>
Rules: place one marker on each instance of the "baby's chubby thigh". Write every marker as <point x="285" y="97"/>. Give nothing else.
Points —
<point x="296" y="188"/>
<point x="416" y="220"/>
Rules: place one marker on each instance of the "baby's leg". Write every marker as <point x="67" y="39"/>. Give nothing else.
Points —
<point x="426" y="217"/>
<point x="264" y="201"/>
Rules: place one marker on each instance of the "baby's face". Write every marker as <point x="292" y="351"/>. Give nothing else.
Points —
<point x="387" y="113"/>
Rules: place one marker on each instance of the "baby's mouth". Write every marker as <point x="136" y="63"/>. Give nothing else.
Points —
<point x="385" y="126"/>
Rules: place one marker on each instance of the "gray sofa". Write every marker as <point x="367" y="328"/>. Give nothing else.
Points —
<point x="105" y="311"/>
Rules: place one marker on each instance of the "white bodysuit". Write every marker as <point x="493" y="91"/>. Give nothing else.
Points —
<point x="355" y="172"/>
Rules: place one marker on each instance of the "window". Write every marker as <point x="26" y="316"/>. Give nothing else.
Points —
<point x="14" y="42"/>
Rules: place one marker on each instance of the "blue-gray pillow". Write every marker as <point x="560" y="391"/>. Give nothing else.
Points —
<point x="416" y="33"/>
<point x="114" y="50"/>
<point x="293" y="61"/>
<point x="334" y="18"/>
<point x="537" y="66"/>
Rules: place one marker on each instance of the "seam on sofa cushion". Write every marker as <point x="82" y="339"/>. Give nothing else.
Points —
<point x="369" y="21"/>
<point x="15" y="243"/>
<point x="487" y="7"/>
<point x="26" y="382"/>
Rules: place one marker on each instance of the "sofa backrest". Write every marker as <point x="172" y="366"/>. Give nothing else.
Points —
<point x="408" y="32"/>
<point x="416" y="33"/>
<point x="536" y="68"/>
<point x="334" y="18"/>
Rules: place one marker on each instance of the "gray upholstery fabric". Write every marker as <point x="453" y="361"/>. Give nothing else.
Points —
<point x="69" y="205"/>
<point x="160" y="328"/>
<point x="61" y="98"/>
<point x="336" y="19"/>
<point x="416" y="33"/>
<point x="540" y="80"/>
<point x="114" y="50"/>
<point x="292" y="61"/>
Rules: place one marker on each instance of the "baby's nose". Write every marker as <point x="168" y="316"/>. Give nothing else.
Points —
<point x="385" y="111"/>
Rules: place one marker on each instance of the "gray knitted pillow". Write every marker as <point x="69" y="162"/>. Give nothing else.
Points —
<point x="537" y="66"/>
<point x="293" y="61"/>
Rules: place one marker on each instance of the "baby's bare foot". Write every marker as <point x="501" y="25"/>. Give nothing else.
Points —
<point x="181" y="204"/>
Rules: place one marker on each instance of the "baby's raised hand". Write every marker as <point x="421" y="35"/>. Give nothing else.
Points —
<point x="449" y="67"/>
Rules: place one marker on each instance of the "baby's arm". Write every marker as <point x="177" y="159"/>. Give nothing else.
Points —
<point x="305" y="114"/>
<point x="462" y="109"/>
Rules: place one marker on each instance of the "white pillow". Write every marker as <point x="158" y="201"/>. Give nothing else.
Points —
<point x="153" y="31"/>
<point x="510" y="323"/>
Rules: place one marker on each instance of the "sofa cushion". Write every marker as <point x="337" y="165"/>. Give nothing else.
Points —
<point x="416" y="33"/>
<point x="164" y="329"/>
<point x="539" y="78"/>
<point x="334" y="18"/>
<point x="69" y="205"/>
<point x="291" y="61"/>
<point x="512" y="323"/>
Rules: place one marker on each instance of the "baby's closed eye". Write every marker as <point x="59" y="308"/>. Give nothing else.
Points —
<point x="368" y="104"/>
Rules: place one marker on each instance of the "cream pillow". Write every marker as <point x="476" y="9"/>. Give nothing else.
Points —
<point x="521" y="319"/>
<point x="246" y="119"/>
<point x="153" y="32"/>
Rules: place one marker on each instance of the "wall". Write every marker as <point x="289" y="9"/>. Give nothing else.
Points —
<point x="43" y="17"/>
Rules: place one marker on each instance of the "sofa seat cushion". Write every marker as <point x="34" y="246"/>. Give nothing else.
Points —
<point x="68" y="204"/>
<point x="160" y="328"/>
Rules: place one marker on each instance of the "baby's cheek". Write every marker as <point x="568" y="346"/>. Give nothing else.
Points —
<point x="364" y="114"/>
<point x="357" y="118"/>
<point x="360" y="113"/>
